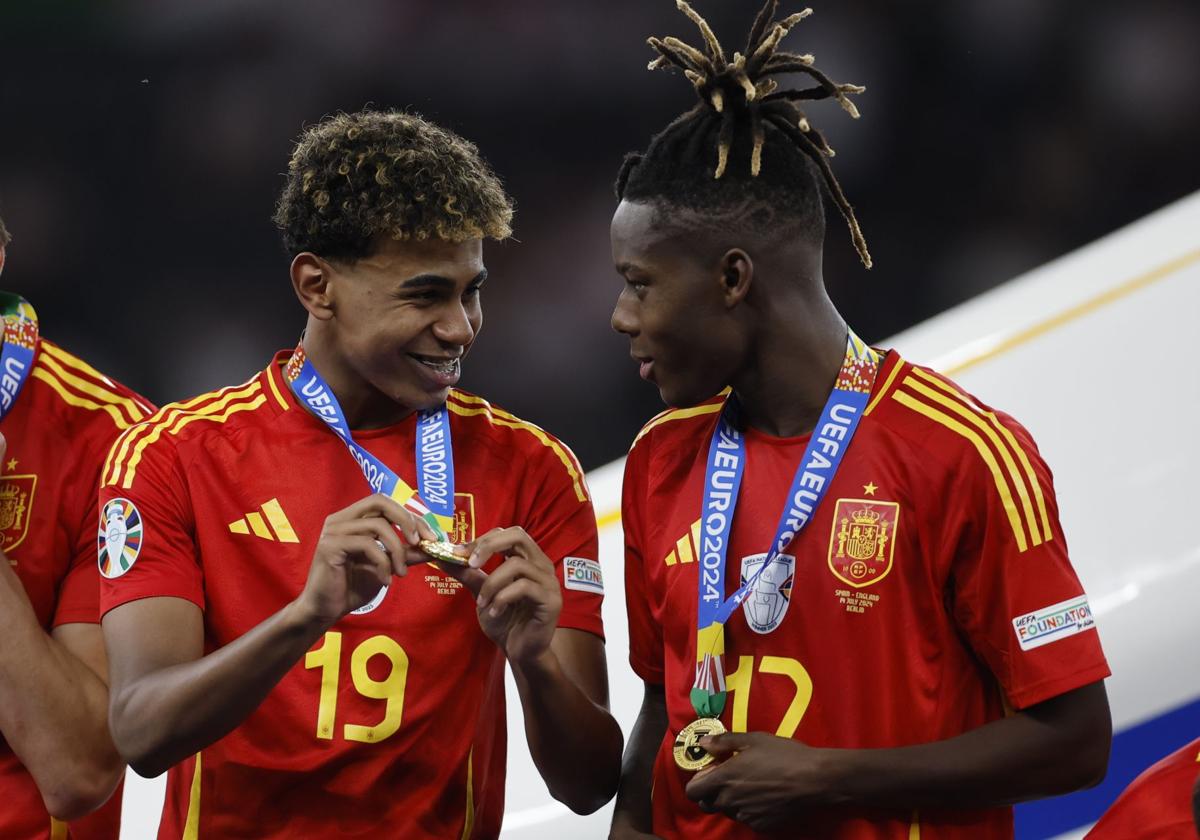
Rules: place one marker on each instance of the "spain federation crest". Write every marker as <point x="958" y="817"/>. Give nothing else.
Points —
<point x="16" y="503"/>
<point x="863" y="540"/>
<point x="766" y="604"/>
<point x="119" y="540"/>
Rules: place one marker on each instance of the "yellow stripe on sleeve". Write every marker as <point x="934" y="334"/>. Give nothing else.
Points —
<point x="887" y="383"/>
<point x="1047" y="533"/>
<point x="80" y="402"/>
<point x="493" y="416"/>
<point x="133" y="411"/>
<point x="213" y="417"/>
<point x="989" y="458"/>
<point x="972" y="417"/>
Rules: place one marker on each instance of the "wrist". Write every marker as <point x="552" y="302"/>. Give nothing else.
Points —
<point x="536" y="667"/>
<point x="300" y="618"/>
<point x="838" y="770"/>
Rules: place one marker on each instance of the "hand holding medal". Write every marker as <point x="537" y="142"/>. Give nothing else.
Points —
<point x="518" y="603"/>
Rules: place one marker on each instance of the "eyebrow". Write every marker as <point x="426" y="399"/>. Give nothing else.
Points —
<point x="437" y="281"/>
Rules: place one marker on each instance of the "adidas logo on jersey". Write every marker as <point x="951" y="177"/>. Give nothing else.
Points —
<point x="269" y="524"/>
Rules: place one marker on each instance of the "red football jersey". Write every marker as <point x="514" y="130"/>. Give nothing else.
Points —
<point x="1158" y="803"/>
<point x="393" y="724"/>
<point x="58" y="433"/>
<point x="932" y="587"/>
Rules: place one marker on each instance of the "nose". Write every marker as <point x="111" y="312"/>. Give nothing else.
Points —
<point x="454" y="325"/>
<point x="623" y="320"/>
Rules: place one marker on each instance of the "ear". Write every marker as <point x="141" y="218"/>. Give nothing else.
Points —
<point x="737" y="275"/>
<point x="3" y="254"/>
<point x="312" y="280"/>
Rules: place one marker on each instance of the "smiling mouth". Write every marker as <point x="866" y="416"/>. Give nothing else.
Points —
<point x="440" y="364"/>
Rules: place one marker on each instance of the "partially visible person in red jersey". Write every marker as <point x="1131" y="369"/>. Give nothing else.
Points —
<point x="268" y="639"/>
<point x="58" y="416"/>
<point x="1162" y="803"/>
<point x="843" y="559"/>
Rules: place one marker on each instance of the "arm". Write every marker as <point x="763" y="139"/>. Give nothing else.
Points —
<point x="53" y="705"/>
<point x="765" y="780"/>
<point x="573" y="739"/>
<point x="168" y="700"/>
<point x="632" y="817"/>
<point x="560" y="674"/>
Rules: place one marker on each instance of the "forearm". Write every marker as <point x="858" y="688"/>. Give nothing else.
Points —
<point x="1021" y="757"/>
<point x="633" y="808"/>
<point x="575" y="743"/>
<point x="166" y="715"/>
<point x="53" y="710"/>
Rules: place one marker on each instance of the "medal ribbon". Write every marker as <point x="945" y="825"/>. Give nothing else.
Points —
<point x="20" y="344"/>
<point x="722" y="480"/>
<point x="434" y="502"/>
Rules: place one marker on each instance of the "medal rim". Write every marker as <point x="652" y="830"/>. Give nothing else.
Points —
<point x="680" y="751"/>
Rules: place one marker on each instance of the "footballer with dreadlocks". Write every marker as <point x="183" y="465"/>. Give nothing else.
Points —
<point x="849" y="594"/>
<point x="275" y="637"/>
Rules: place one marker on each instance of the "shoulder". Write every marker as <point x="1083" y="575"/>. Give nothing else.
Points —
<point x="679" y="425"/>
<point x="958" y="438"/>
<point x="85" y="403"/>
<point x="493" y="423"/>
<point x="223" y="412"/>
<point x="932" y="410"/>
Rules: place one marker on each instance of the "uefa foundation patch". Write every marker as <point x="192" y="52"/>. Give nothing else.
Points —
<point x="119" y="540"/>
<point x="582" y="574"/>
<point x="1052" y="623"/>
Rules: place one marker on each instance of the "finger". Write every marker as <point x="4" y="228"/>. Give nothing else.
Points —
<point x="384" y="534"/>
<point x="521" y="591"/>
<point x="385" y="506"/>
<point x="3" y="447"/>
<point x="506" y="574"/>
<point x="473" y="579"/>
<point x="724" y="745"/>
<point x="363" y="554"/>
<point x="706" y="786"/>
<point x="505" y="541"/>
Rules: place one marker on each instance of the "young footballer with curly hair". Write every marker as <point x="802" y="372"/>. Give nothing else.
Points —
<point x="276" y="637"/>
<point x="842" y="561"/>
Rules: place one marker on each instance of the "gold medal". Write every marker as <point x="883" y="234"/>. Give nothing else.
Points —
<point x="447" y="552"/>
<point x="689" y="755"/>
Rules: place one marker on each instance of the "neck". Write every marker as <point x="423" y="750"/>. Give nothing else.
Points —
<point x="364" y="406"/>
<point x="792" y="368"/>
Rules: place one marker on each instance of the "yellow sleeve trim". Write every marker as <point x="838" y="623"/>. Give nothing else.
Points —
<point x="121" y="421"/>
<point x="127" y="455"/>
<point x="1015" y="445"/>
<point x="503" y="418"/>
<point x="989" y="458"/>
<point x="60" y="363"/>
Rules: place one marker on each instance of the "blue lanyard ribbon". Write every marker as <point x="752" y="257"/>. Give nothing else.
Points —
<point x="434" y="501"/>
<point x="20" y="345"/>
<point x="722" y="481"/>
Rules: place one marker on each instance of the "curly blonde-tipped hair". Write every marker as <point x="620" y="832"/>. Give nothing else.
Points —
<point x="356" y="177"/>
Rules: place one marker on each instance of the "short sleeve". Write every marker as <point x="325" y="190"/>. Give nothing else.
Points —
<point x="147" y="549"/>
<point x="562" y="522"/>
<point x="645" y="634"/>
<point x="1015" y="595"/>
<point x="79" y="591"/>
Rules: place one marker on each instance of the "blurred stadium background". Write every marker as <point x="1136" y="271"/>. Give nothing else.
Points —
<point x="142" y="145"/>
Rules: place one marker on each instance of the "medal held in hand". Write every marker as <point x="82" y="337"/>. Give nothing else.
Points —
<point x="723" y="477"/>
<point x="446" y="552"/>
<point x="689" y="755"/>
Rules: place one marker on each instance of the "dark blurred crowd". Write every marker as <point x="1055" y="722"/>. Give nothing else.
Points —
<point x="142" y="145"/>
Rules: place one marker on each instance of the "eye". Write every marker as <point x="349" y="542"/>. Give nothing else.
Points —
<point x="473" y="291"/>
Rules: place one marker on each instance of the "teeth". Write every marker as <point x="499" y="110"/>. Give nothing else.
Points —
<point x="447" y="367"/>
